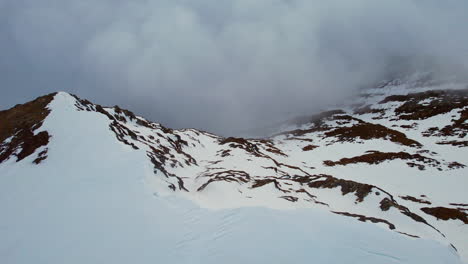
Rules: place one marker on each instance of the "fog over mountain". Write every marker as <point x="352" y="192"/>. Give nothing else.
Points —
<point x="222" y="66"/>
<point x="233" y="131"/>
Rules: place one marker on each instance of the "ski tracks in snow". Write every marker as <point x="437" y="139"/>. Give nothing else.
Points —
<point x="202" y="232"/>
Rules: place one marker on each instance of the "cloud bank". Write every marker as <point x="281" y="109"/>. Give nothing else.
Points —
<point x="219" y="65"/>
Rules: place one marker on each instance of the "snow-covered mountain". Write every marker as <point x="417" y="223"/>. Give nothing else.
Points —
<point x="381" y="179"/>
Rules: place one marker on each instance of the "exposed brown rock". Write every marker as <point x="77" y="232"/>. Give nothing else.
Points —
<point x="276" y="150"/>
<point x="362" y="130"/>
<point x="455" y="165"/>
<point x="409" y="126"/>
<point x="458" y="128"/>
<point x="414" y="199"/>
<point x="459" y="204"/>
<point x="225" y="153"/>
<point x="227" y="176"/>
<point x="242" y="144"/>
<point x="309" y="147"/>
<point x="306" y="179"/>
<point x="444" y="213"/>
<point x="269" y="146"/>
<point x="364" y="218"/>
<point x="31" y="142"/>
<point x="262" y="182"/>
<point x="388" y="203"/>
<point x="126" y="112"/>
<point x="300" y="139"/>
<point x="22" y="116"/>
<point x="376" y="157"/>
<point x="290" y="198"/>
<point x="406" y="234"/>
<point x="442" y="101"/>
<point x="19" y="123"/>
<point x="361" y="190"/>
<point x="455" y="143"/>
<point x="366" y="131"/>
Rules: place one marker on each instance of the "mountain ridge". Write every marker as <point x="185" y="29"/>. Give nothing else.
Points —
<point x="329" y="161"/>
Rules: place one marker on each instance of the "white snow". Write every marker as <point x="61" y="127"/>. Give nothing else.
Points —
<point x="97" y="200"/>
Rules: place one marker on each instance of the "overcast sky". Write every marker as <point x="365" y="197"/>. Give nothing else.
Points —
<point x="219" y="65"/>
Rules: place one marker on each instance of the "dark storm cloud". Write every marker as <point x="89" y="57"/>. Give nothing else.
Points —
<point x="217" y="64"/>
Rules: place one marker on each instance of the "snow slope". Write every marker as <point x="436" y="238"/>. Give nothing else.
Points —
<point x="109" y="186"/>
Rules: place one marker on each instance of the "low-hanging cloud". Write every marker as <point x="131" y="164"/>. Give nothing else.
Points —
<point x="220" y="65"/>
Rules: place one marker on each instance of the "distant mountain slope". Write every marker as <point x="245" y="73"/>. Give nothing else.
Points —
<point x="394" y="158"/>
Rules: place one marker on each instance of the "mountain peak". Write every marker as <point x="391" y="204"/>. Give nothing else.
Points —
<point x="381" y="159"/>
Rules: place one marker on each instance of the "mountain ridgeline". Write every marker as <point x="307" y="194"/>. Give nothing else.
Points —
<point x="395" y="157"/>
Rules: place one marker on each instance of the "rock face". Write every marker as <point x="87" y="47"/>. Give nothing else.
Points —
<point x="395" y="156"/>
<point x="17" y="137"/>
